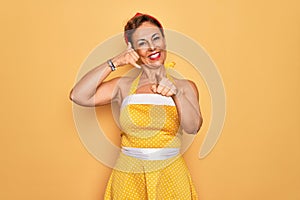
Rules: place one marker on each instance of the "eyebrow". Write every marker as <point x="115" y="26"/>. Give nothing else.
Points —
<point x="154" y="35"/>
<point x="141" y="40"/>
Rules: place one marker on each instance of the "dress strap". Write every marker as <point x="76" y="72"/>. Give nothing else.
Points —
<point x="170" y="78"/>
<point x="135" y="84"/>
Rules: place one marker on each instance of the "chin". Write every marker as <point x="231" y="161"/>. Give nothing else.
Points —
<point x="156" y="64"/>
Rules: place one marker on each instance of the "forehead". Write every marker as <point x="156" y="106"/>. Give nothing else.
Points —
<point x="147" y="29"/>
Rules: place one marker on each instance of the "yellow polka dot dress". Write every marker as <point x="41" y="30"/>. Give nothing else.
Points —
<point x="149" y="123"/>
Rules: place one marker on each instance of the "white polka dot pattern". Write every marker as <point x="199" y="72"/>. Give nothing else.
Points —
<point x="171" y="182"/>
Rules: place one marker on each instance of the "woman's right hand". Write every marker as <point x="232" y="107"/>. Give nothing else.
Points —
<point x="91" y="90"/>
<point x="129" y="56"/>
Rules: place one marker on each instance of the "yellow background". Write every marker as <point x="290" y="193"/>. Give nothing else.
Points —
<point x="255" y="44"/>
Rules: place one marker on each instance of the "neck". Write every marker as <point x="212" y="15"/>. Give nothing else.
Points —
<point x="151" y="75"/>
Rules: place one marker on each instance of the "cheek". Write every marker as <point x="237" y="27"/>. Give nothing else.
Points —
<point x="162" y="44"/>
<point x="163" y="54"/>
<point x="142" y="52"/>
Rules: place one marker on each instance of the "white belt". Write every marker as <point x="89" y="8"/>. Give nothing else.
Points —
<point x="151" y="153"/>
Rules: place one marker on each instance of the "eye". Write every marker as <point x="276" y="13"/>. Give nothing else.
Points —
<point x="141" y="44"/>
<point x="156" y="38"/>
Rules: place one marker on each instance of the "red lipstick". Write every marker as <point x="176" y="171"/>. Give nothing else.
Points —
<point x="154" y="56"/>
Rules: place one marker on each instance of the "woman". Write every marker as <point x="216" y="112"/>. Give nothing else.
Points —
<point x="154" y="109"/>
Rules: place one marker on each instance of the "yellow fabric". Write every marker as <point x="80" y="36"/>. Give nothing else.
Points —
<point x="149" y="126"/>
<point x="170" y="181"/>
<point x="170" y="65"/>
<point x="157" y="130"/>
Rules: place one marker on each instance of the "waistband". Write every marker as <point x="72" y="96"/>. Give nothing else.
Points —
<point x="151" y="153"/>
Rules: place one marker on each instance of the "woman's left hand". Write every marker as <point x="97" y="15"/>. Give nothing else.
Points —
<point x="164" y="87"/>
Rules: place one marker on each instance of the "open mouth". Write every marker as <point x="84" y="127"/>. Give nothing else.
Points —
<point x="154" y="56"/>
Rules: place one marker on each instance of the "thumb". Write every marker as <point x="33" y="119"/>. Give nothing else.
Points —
<point x="129" y="46"/>
<point x="153" y="88"/>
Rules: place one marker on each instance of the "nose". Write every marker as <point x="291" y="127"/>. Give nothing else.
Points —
<point x="151" y="46"/>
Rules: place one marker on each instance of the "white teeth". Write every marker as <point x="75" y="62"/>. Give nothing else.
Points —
<point x="153" y="56"/>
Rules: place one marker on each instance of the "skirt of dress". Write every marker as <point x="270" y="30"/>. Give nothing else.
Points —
<point x="133" y="178"/>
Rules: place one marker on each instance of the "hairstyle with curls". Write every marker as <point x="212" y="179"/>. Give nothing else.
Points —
<point x="137" y="21"/>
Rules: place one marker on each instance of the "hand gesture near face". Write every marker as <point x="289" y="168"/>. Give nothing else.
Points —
<point x="129" y="56"/>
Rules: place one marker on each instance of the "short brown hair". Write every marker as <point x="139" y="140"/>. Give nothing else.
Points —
<point x="137" y="21"/>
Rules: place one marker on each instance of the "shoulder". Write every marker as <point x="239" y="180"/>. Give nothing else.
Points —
<point x="186" y="85"/>
<point x="125" y="81"/>
<point x="128" y="78"/>
<point x="124" y="84"/>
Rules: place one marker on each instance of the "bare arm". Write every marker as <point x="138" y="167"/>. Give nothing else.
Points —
<point x="91" y="90"/>
<point x="84" y="92"/>
<point x="187" y="102"/>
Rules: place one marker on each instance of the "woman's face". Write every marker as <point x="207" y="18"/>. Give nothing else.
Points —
<point x="150" y="44"/>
